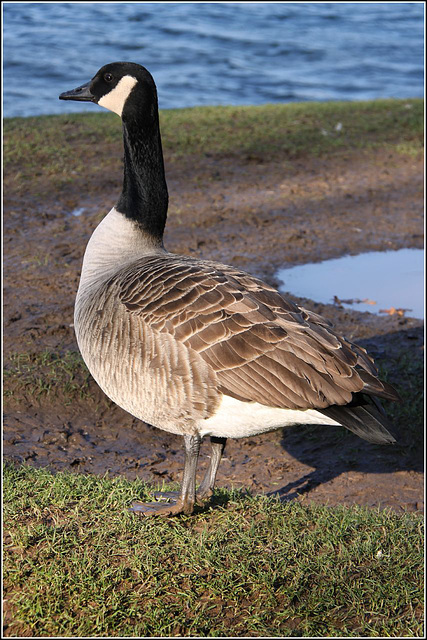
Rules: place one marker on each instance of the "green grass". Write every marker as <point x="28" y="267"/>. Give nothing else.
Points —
<point x="62" y="148"/>
<point x="45" y="374"/>
<point x="76" y="563"/>
<point x="405" y="371"/>
<point x="292" y="130"/>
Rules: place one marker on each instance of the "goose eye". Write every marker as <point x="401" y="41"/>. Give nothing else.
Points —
<point x="108" y="77"/>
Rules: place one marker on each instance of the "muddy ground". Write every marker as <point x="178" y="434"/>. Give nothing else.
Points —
<point x="258" y="216"/>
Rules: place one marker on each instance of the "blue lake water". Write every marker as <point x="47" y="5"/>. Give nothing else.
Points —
<point x="214" y="53"/>
<point x="376" y="281"/>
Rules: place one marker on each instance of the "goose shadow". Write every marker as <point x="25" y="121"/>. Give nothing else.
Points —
<point x="332" y="451"/>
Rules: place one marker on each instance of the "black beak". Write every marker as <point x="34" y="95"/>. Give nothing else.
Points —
<point x="82" y="94"/>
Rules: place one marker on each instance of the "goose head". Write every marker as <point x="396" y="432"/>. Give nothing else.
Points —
<point x="126" y="88"/>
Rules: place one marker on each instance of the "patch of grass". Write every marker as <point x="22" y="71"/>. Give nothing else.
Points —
<point x="47" y="374"/>
<point x="77" y="563"/>
<point x="292" y="130"/>
<point x="406" y="373"/>
<point x="63" y="149"/>
<point x="411" y="148"/>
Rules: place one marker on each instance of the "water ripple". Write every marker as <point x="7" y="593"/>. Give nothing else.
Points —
<point x="214" y="53"/>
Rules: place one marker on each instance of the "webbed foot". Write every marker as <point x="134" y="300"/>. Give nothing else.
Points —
<point x="166" y="495"/>
<point x="201" y="496"/>
<point x="183" y="502"/>
<point x="161" y="508"/>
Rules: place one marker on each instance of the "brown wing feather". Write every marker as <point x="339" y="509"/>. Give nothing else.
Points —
<point x="261" y="346"/>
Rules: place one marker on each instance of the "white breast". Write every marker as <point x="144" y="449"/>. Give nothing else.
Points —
<point x="115" y="243"/>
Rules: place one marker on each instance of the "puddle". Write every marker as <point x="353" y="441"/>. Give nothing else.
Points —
<point x="77" y="212"/>
<point x="375" y="281"/>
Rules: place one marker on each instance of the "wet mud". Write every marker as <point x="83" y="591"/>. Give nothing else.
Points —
<point x="258" y="216"/>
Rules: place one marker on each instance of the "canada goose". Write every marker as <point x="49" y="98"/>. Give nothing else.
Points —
<point x="195" y="347"/>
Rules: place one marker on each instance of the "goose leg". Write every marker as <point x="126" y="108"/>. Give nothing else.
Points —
<point x="206" y="488"/>
<point x="186" y="499"/>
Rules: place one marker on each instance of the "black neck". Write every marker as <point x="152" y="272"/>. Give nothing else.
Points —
<point x="144" y="197"/>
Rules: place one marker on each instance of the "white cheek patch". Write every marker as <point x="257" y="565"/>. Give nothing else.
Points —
<point x="116" y="98"/>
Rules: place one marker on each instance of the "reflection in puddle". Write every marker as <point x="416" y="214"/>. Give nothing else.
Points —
<point x="77" y="212"/>
<point x="391" y="279"/>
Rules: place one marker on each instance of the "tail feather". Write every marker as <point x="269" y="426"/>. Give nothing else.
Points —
<point x="365" y="420"/>
<point x="375" y="387"/>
